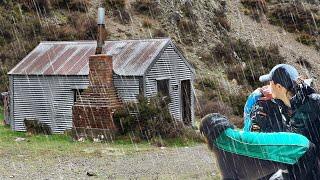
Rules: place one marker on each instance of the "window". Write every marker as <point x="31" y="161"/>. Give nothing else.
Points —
<point x="76" y="94"/>
<point x="163" y="87"/>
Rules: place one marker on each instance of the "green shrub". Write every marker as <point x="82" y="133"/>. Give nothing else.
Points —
<point x="152" y="119"/>
<point x="189" y="134"/>
<point x="124" y="120"/>
<point x="237" y="101"/>
<point x="206" y="83"/>
<point x="306" y="39"/>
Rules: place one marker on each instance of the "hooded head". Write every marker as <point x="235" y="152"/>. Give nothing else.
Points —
<point x="212" y="125"/>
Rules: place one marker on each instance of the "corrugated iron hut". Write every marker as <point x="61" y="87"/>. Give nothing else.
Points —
<point x="46" y="83"/>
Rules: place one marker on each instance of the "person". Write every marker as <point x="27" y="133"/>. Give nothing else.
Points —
<point x="301" y="99"/>
<point x="266" y="114"/>
<point x="255" y="155"/>
<point x="262" y="112"/>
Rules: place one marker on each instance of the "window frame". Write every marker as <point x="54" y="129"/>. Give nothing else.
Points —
<point x="166" y="96"/>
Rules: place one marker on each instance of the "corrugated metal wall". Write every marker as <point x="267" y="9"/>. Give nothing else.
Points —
<point x="11" y="89"/>
<point x="47" y="98"/>
<point x="127" y="87"/>
<point x="170" y="66"/>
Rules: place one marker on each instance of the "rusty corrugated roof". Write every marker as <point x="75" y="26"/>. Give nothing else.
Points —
<point x="130" y="57"/>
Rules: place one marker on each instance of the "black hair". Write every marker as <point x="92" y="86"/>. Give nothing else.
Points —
<point x="282" y="77"/>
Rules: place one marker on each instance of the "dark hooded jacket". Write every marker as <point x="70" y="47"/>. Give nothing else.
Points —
<point x="305" y="116"/>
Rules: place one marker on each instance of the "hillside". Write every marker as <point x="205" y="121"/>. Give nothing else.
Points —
<point x="228" y="48"/>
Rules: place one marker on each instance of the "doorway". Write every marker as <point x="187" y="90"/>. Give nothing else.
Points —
<point x="186" y="102"/>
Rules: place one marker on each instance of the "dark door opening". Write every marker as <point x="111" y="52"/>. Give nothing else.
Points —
<point x="186" y="101"/>
<point x="76" y="94"/>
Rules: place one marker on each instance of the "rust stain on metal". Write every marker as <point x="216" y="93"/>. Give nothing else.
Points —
<point x="60" y="60"/>
<point x="130" y="57"/>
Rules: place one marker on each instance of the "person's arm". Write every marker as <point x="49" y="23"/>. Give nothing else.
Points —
<point x="260" y="93"/>
<point x="251" y="101"/>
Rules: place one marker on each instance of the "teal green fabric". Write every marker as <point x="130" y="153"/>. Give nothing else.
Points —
<point x="279" y="147"/>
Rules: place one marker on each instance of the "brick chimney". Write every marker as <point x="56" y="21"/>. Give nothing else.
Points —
<point x="93" y="110"/>
<point x="101" y="70"/>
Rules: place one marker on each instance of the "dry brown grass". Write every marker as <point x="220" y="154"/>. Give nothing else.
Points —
<point x="116" y="4"/>
<point x="147" y="23"/>
<point x="187" y="26"/>
<point x="147" y="7"/>
<point x="160" y="33"/>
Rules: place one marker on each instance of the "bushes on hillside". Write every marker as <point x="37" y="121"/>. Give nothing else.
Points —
<point x="45" y="6"/>
<point x="78" y="5"/>
<point x="255" y="5"/>
<point x="216" y="99"/>
<point x="306" y="39"/>
<point x="147" y="23"/>
<point x="36" y="5"/>
<point x="119" y="9"/>
<point x="295" y="17"/>
<point x="147" y="7"/>
<point x="160" y="33"/>
<point x="255" y="8"/>
<point x="246" y="63"/>
<point x="187" y="26"/>
<point x="116" y="4"/>
<point x="206" y="106"/>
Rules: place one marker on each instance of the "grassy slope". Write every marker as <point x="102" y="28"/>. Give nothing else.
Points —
<point x="61" y="145"/>
<point x="55" y="145"/>
<point x="1" y="114"/>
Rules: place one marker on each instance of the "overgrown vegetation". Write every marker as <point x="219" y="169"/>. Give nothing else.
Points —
<point x="294" y="16"/>
<point x="217" y="99"/>
<point x="1" y="115"/>
<point x="25" y="23"/>
<point x="147" y="7"/>
<point x="299" y="18"/>
<point x="116" y="4"/>
<point x="306" y="39"/>
<point x="150" y="119"/>
<point x="246" y="63"/>
<point x="255" y="8"/>
<point x="243" y="64"/>
<point x="46" y="6"/>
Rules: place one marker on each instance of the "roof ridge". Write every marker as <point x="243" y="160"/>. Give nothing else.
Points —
<point x="94" y="41"/>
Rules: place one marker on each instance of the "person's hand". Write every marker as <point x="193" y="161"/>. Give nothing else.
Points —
<point x="266" y="91"/>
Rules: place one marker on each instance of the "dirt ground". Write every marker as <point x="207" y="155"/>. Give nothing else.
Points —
<point x="109" y="163"/>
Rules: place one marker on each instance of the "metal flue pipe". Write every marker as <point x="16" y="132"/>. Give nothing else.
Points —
<point x="101" y="30"/>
